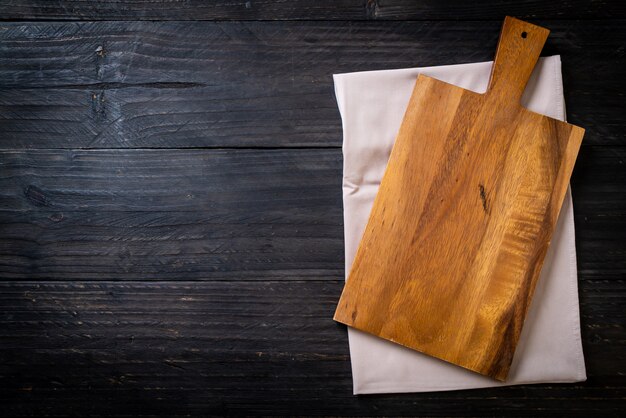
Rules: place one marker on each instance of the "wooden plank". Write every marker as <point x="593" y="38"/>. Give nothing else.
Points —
<point x="113" y="348"/>
<point x="256" y="84"/>
<point x="225" y="215"/>
<point x="200" y="213"/>
<point x="461" y="10"/>
<point x="171" y="115"/>
<point x="188" y="10"/>
<point x="306" y="10"/>
<point x="541" y="401"/>
<point x="220" y="183"/>
<point x="260" y="245"/>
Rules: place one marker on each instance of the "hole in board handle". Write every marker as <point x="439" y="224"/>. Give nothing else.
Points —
<point x="524" y="35"/>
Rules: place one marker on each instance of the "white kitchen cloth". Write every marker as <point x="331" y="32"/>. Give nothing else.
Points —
<point x="372" y="105"/>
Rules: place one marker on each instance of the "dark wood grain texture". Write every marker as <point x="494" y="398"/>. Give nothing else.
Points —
<point x="137" y="282"/>
<point x="254" y="84"/>
<point x="308" y="10"/>
<point x="195" y="214"/>
<point x="239" y="347"/>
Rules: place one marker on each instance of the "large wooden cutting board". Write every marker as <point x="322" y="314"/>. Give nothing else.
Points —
<point x="464" y="216"/>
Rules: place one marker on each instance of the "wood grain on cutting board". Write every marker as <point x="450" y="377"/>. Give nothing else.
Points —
<point x="464" y="215"/>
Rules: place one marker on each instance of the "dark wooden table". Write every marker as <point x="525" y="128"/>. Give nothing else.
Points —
<point x="171" y="219"/>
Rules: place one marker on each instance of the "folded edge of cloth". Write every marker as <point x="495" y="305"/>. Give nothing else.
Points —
<point x="372" y="105"/>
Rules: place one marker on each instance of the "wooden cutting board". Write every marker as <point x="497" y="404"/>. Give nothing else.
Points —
<point x="464" y="216"/>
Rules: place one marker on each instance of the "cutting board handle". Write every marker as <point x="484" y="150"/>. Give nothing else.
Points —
<point x="518" y="50"/>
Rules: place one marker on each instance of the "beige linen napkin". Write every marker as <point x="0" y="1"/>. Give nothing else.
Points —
<point x="372" y="106"/>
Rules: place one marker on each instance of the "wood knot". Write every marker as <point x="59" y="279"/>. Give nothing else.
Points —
<point x="36" y="196"/>
<point x="100" y="51"/>
<point x="371" y="9"/>
<point x="56" y="217"/>
<point x="483" y="197"/>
